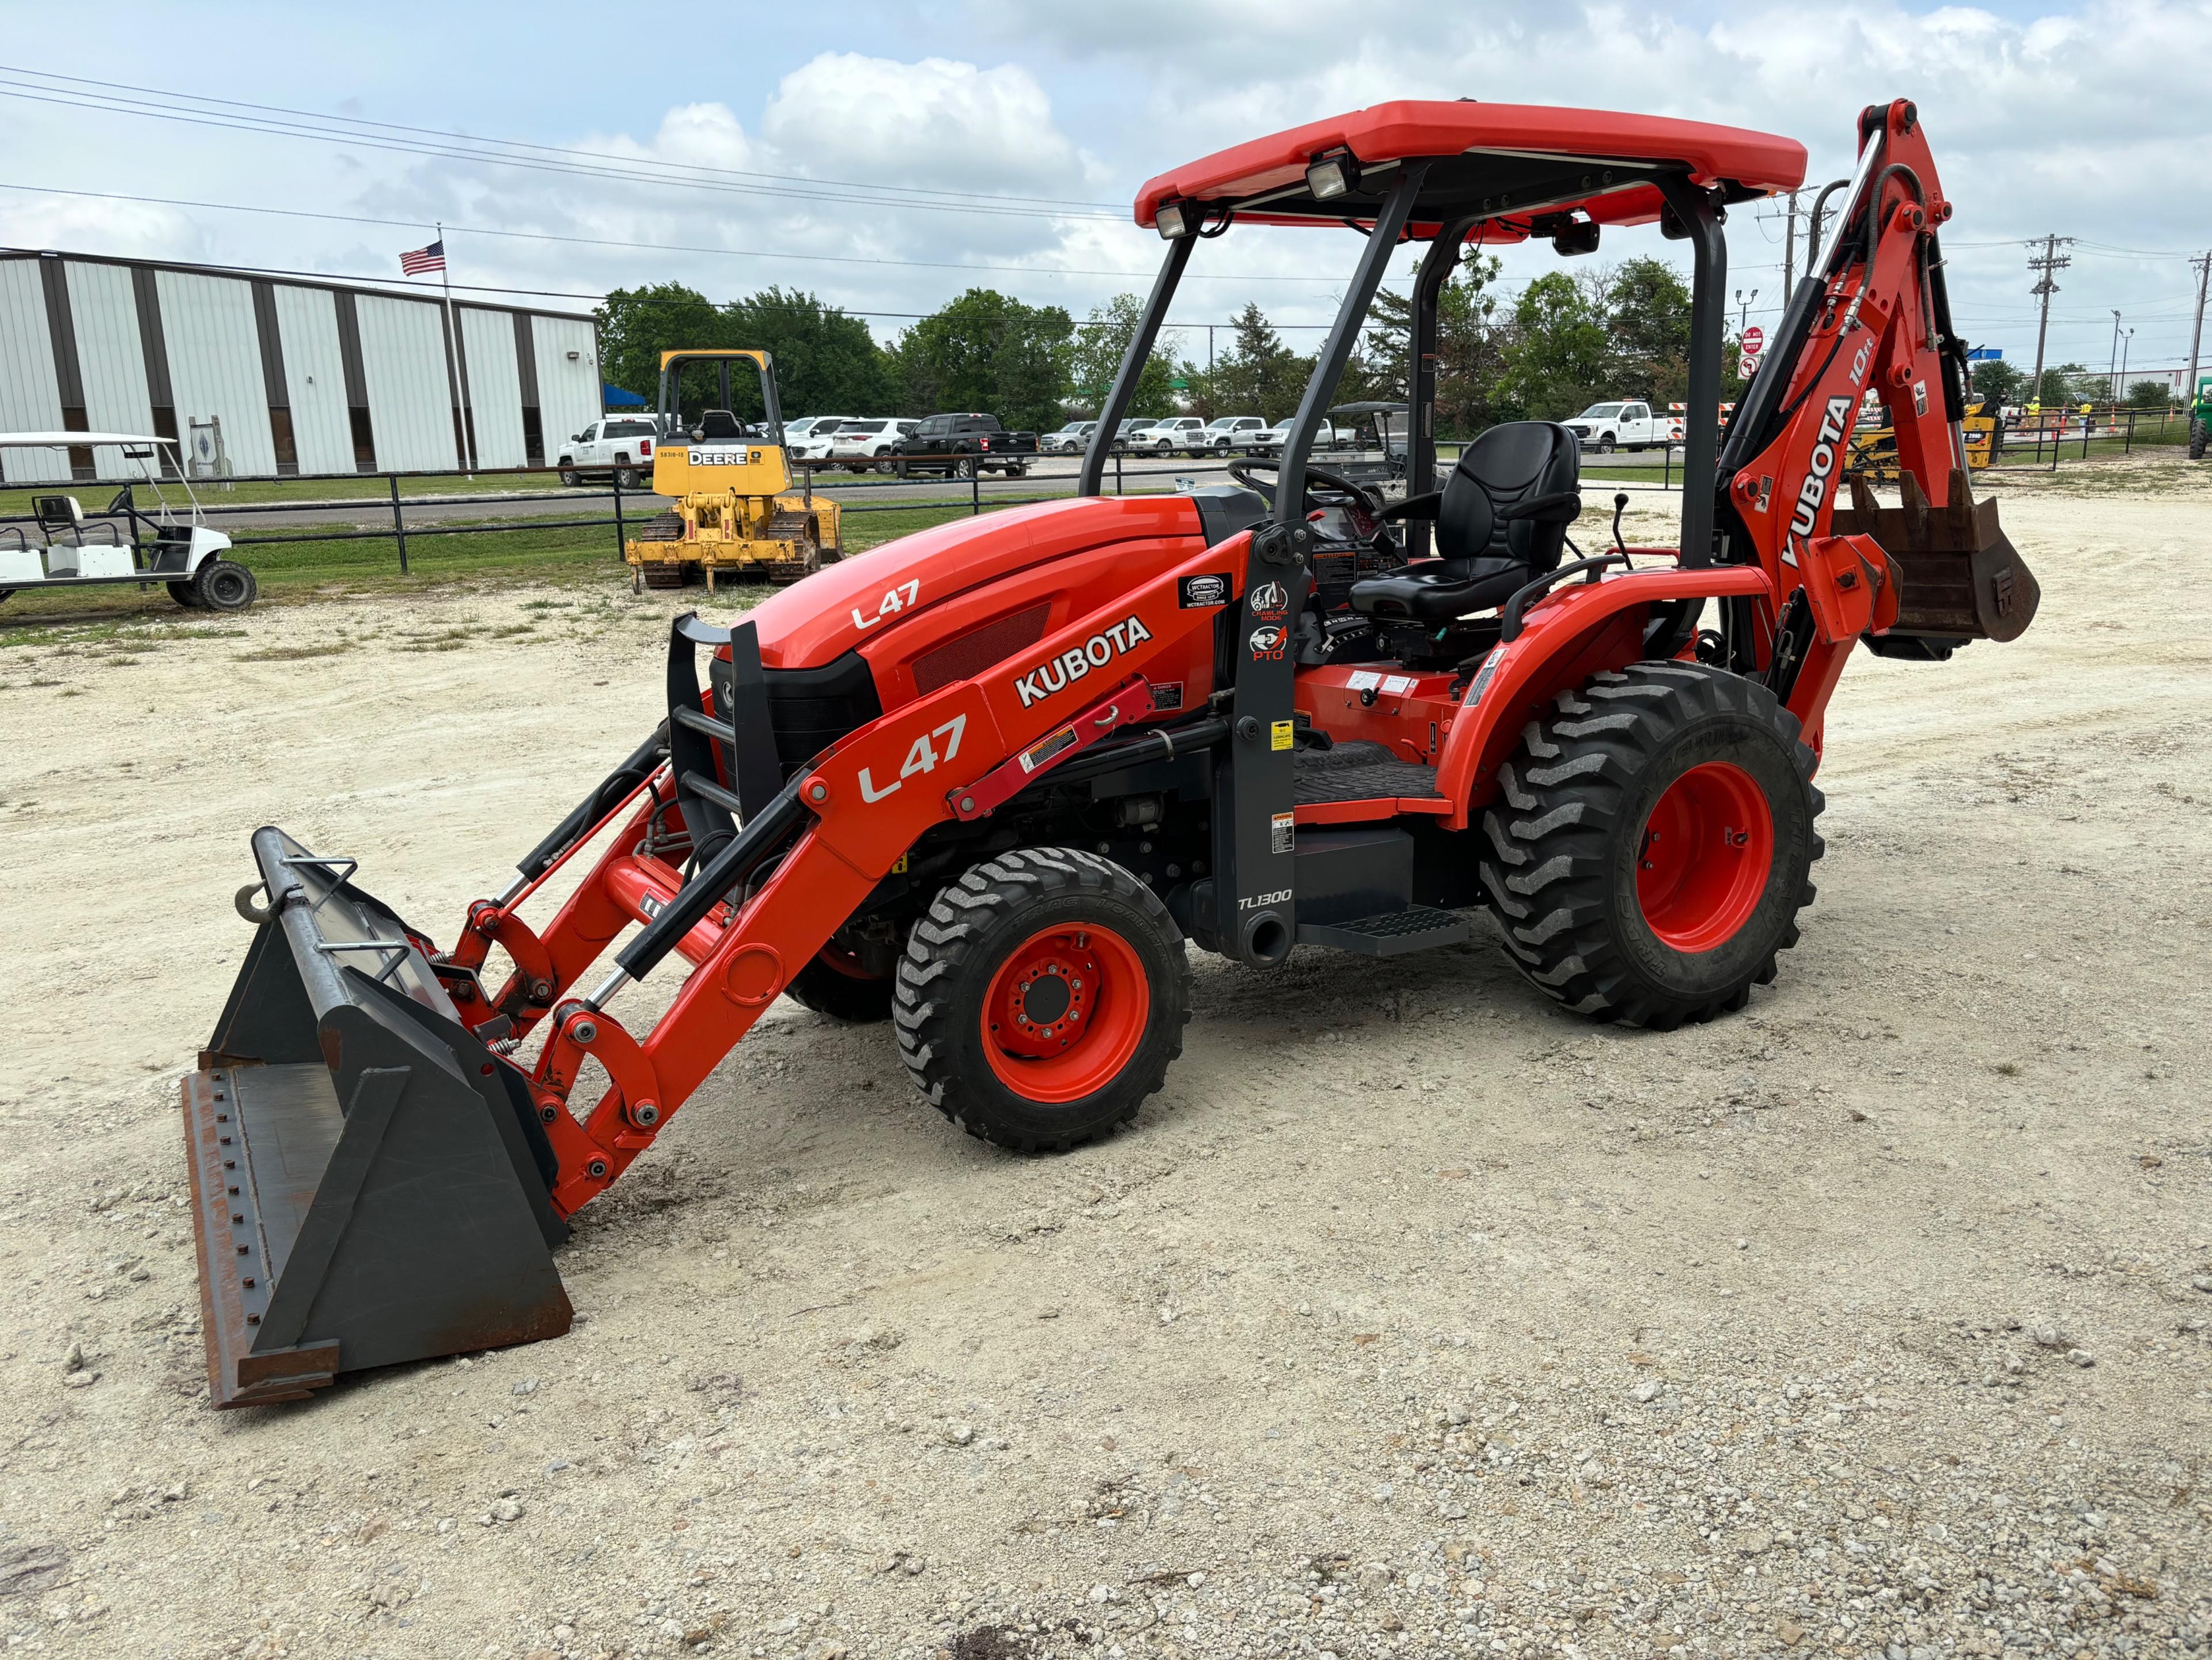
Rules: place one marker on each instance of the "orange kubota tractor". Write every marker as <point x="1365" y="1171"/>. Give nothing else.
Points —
<point x="984" y="783"/>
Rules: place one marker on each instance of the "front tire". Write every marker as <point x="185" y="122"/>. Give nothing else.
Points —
<point x="1041" y="998"/>
<point x="1653" y="843"/>
<point x="1605" y="444"/>
<point x="626" y="479"/>
<point x="571" y="477"/>
<point x="220" y="585"/>
<point x="2196" y="440"/>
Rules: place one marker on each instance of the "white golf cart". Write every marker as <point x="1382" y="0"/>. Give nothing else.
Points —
<point x="63" y="550"/>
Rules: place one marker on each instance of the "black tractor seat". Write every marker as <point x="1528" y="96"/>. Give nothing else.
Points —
<point x="1501" y="522"/>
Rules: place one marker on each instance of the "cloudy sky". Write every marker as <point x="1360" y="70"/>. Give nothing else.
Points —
<point x="887" y="157"/>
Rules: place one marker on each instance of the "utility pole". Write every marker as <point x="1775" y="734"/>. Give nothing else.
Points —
<point x="1790" y="252"/>
<point x="2112" y="363"/>
<point x="2044" y="264"/>
<point x="2203" y="264"/>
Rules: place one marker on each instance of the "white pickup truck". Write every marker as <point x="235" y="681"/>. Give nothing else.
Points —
<point x="620" y="446"/>
<point x="1605" y="428"/>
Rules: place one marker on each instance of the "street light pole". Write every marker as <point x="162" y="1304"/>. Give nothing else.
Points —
<point x="2111" y="368"/>
<point x="2127" y="340"/>
<point x="1743" y="309"/>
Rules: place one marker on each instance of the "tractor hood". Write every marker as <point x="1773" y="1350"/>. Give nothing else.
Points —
<point x="1051" y="555"/>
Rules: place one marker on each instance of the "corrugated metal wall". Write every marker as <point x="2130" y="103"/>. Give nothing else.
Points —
<point x="494" y="384"/>
<point x="215" y="365"/>
<point x="136" y="343"/>
<point x="403" y="359"/>
<point x="568" y="393"/>
<point x="315" y="378"/>
<point x="30" y="393"/>
<point x="111" y="358"/>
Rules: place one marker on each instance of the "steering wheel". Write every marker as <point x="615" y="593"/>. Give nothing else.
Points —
<point x="1372" y="500"/>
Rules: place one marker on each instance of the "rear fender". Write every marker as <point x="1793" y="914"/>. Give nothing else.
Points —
<point x="1575" y="631"/>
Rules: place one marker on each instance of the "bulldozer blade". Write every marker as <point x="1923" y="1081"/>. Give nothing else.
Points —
<point x="370" y="1184"/>
<point x="1961" y="576"/>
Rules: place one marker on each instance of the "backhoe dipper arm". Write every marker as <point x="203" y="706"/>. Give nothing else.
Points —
<point x="1872" y="316"/>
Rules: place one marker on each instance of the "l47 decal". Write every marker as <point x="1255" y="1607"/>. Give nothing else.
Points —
<point x="922" y="757"/>
<point x="892" y="604"/>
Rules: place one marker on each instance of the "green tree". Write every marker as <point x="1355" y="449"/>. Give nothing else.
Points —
<point x="637" y="324"/>
<point x="1994" y="377"/>
<point x="2148" y="395"/>
<point x="1647" y="308"/>
<point x="1256" y="374"/>
<point x="1469" y="350"/>
<point x="2067" y="385"/>
<point x="1559" y="354"/>
<point x="988" y="353"/>
<point x="1096" y="358"/>
<point x="826" y="362"/>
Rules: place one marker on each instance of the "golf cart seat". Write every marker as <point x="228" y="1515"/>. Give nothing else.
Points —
<point x="1500" y="523"/>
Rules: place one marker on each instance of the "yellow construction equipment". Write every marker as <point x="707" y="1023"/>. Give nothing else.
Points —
<point x="720" y="458"/>
<point x="1873" y="452"/>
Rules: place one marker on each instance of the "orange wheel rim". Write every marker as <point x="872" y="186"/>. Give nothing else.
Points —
<point x="1703" y="857"/>
<point x="1065" y="1013"/>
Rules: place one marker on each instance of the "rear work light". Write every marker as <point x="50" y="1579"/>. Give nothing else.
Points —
<point x="1332" y="175"/>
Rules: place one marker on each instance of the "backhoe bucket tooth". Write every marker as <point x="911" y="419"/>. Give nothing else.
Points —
<point x="1961" y="576"/>
<point x="369" y="1183"/>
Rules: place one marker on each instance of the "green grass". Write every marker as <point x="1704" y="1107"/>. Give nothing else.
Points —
<point x="16" y="502"/>
<point x="294" y="572"/>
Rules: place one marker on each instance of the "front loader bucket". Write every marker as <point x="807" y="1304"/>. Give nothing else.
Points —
<point x="1961" y="578"/>
<point x="369" y="1183"/>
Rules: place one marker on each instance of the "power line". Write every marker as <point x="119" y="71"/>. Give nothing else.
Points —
<point x="652" y="247"/>
<point x="350" y="121"/>
<point x="67" y="99"/>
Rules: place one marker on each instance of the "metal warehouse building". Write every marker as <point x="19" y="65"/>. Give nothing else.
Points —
<point x="269" y="376"/>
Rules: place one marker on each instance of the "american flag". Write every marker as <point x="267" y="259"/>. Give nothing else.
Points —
<point x="416" y="261"/>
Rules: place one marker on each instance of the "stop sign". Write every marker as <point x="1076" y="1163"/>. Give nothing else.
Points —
<point x="1754" y="341"/>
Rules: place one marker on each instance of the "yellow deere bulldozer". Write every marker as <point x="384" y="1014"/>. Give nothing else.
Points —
<point x="1873" y="452"/>
<point x="720" y="455"/>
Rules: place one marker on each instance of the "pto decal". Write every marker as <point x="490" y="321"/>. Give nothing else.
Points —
<point x="1071" y="665"/>
<point x="1268" y="642"/>
<point x="1203" y="590"/>
<point x="892" y="606"/>
<point x="922" y="757"/>
<point x="1835" y="421"/>
<point x="1270" y="600"/>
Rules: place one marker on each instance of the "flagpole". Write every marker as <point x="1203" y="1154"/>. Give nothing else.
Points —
<point x="464" y="437"/>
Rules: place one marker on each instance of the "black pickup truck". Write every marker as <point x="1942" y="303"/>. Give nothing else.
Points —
<point x="962" y="446"/>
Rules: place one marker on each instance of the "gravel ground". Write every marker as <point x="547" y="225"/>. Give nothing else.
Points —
<point x="1414" y="1317"/>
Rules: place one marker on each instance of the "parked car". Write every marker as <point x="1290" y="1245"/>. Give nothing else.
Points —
<point x="1068" y="439"/>
<point x="805" y="426"/>
<point x="1606" y="428"/>
<point x="1178" y="432"/>
<point x="812" y="447"/>
<point x="619" y="447"/>
<point x="1232" y="432"/>
<point x="962" y="446"/>
<point x="863" y="445"/>
<point x="1271" y="442"/>
<point x="1129" y="428"/>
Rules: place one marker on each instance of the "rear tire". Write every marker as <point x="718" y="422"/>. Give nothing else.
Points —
<point x="185" y="594"/>
<point x="1041" y="998"/>
<point x="827" y="988"/>
<point x="2196" y="440"/>
<point x="220" y="585"/>
<point x="1652" y="843"/>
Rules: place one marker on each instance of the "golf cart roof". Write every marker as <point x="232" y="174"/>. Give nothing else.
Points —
<point x="44" y="441"/>
<point x="1500" y="164"/>
<point x="1372" y="407"/>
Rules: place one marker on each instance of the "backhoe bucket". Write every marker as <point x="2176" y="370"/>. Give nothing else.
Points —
<point x="1961" y="578"/>
<point x="369" y="1183"/>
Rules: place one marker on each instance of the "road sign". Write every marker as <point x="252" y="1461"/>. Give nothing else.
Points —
<point x="1747" y="365"/>
<point x="1754" y="341"/>
<point x="1985" y="355"/>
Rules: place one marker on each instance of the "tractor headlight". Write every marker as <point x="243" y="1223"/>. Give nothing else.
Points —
<point x="1174" y="221"/>
<point x="1333" y="176"/>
